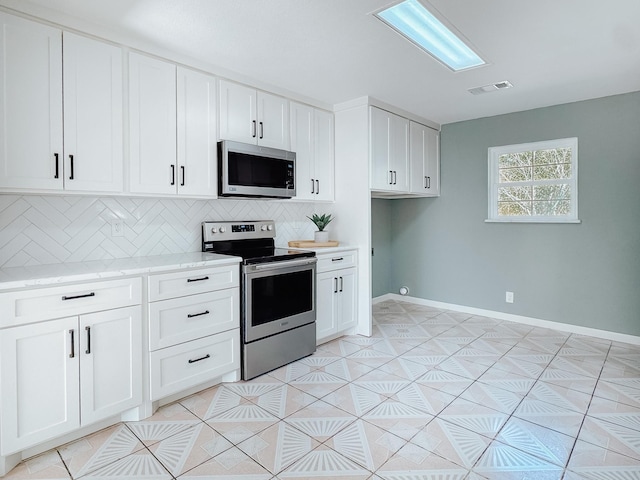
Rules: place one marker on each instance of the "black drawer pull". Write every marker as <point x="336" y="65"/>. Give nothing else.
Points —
<point x="88" y="350"/>
<point x="337" y="259"/>
<point x="92" y="294"/>
<point x="191" y="315"/>
<point x="200" y="359"/>
<point x="73" y="342"/>
<point x="197" y="279"/>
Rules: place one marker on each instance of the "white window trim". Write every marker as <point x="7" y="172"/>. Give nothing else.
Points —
<point x="494" y="154"/>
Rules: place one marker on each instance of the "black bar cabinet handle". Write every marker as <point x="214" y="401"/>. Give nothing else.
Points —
<point x="88" y="350"/>
<point x="390" y="177"/>
<point x="339" y="259"/>
<point x="92" y="294"/>
<point x="341" y="284"/>
<point x="182" y="183"/>
<point x="200" y="359"/>
<point x="73" y="350"/>
<point x="191" y="315"/>
<point x="335" y="285"/>
<point x="57" y="175"/>
<point x="197" y="279"/>
<point x="428" y="182"/>
<point x="173" y="174"/>
<point x="261" y="130"/>
<point x="253" y="123"/>
<point x="71" y="162"/>
<point x="313" y="189"/>
<point x="425" y="182"/>
<point x="317" y="187"/>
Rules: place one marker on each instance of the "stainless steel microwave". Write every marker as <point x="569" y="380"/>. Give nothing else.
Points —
<point x="246" y="170"/>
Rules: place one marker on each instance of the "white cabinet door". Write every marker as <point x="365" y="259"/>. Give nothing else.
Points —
<point x="399" y="153"/>
<point x="110" y="363"/>
<point x="238" y="118"/>
<point x="93" y="156"/>
<point x="389" y="151"/>
<point x="249" y="116"/>
<point x="424" y="160"/>
<point x="273" y="121"/>
<point x="324" y="155"/>
<point x="30" y="105"/>
<point x="38" y="383"/>
<point x="152" y="125"/>
<point x="326" y="298"/>
<point x="347" y="296"/>
<point x="197" y="133"/>
<point x="302" y="142"/>
<point x="379" y="149"/>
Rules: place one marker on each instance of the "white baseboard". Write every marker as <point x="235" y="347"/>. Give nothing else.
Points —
<point x="535" y="322"/>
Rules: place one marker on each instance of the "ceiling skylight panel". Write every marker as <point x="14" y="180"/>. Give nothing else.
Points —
<point x="411" y="19"/>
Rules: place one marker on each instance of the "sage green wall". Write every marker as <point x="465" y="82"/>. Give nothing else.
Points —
<point x="381" y="243"/>
<point x="584" y="274"/>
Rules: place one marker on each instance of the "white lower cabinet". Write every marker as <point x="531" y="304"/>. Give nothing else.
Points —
<point x="59" y="375"/>
<point x="194" y="328"/>
<point x="336" y="295"/>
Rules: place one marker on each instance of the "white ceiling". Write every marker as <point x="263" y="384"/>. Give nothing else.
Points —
<point x="552" y="51"/>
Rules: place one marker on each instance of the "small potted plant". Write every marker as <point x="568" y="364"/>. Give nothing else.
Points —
<point x="321" y="222"/>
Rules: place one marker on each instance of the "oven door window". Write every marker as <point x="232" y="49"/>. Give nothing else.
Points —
<point x="275" y="297"/>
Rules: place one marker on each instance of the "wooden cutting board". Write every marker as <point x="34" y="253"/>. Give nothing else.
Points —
<point x="312" y="244"/>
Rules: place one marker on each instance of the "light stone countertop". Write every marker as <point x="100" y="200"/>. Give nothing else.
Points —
<point x="43" y="275"/>
<point x="329" y="250"/>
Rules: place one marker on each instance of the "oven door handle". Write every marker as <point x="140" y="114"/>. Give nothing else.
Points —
<point x="285" y="264"/>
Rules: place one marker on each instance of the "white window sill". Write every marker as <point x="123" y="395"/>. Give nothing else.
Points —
<point x="532" y="220"/>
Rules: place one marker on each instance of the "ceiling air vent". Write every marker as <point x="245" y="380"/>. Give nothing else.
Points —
<point x="492" y="87"/>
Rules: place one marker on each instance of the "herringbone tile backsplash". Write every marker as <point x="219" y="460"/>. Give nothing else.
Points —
<point x="37" y="230"/>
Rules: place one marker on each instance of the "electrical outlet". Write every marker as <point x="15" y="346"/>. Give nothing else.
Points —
<point x="117" y="228"/>
<point x="509" y="297"/>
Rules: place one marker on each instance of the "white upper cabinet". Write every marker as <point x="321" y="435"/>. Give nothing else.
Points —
<point x="32" y="154"/>
<point x="152" y="125"/>
<point x="197" y="133"/>
<point x="30" y="105"/>
<point x="312" y="138"/>
<point x="389" y="151"/>
<point x="425" y="160"/>
<point x="172" y="140"/>
<point x="251" y="116"/>
<point x="93" y="148"/>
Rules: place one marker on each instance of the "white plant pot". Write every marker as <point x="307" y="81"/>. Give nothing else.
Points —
<point x="321" y="237"/>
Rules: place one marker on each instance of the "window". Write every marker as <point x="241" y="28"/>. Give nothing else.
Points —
<point x="534" y="182"/>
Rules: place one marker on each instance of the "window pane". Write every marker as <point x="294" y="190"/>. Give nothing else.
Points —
<point x="520" y="159"/>
<point x="506" y="194"/>
<point x="515" y="174"/>
<point x="553" y="156"/>
<point x="552" y="208"/>
<point x="552" y="192"/>
<point x="513" y="209"/>
<point x="552" y="172"/>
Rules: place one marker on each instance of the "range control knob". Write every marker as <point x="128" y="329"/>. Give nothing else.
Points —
<point x="214" y="230"/>
<point x="222" y="229"/>
<point x="269" y="227"/>
<point x="263" y="228"/>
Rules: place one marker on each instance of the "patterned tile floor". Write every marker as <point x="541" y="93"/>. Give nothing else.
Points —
<point x="432" y="394"/>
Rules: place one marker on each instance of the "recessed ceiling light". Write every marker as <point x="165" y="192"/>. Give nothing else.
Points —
<point x="414" y="21"/>
<point x="492" y="87"/>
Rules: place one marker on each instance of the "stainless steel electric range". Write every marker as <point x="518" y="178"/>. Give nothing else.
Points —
<point x="278" y="291"/>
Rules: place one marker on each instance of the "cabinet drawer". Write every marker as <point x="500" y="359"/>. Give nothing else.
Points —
<point x="327" y="262"/>
<point x="190" y="282"/>
<point x="48" y="303"/>
<point x="182" y="319"/>
<point x="186" y="365"/>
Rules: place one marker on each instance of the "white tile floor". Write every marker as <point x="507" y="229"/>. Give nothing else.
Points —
<point x="431" y="395"/>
